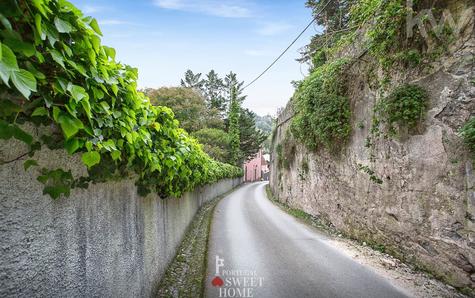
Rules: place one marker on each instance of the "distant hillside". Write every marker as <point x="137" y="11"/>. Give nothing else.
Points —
<point x="265" y="123"/>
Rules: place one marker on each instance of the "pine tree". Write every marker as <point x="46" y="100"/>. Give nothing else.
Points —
<point x="234" y="130"/>
<point x="251" y="139"/>
<point x="213" y="89"/>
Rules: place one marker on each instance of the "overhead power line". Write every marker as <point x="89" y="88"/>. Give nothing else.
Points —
<point x="291" y="44"/>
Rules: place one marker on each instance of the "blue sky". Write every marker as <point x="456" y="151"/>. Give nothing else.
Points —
<point x="164" y="38"/>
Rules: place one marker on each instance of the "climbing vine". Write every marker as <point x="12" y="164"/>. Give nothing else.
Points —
<point x="322" y="108"/>
<point x="55" y="71"/>
<point x="404" y="107"/>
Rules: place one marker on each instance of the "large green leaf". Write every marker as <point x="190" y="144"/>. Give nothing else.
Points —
<point x="72" y="145"/>
<point x="87" y="108"/>
<point x="69" y="125"/>
<point x="24" y="81"/>
<point x="8" y="108"/>
<point x="78" y="93"/>
<point x="29" y="163"/>
<point x="63" y="26"/>
<point x="8" y="64"/>
<point x="21" y="135"/>
<point x="95" y="26"/>
<point x="5" y="130"/>
<point x="58" y="57"/>
<point x="40" y="111"/>
<point x="5" y="22"/>
<point x="91" y="158"/>
<point x="20" y="46"/>
<point x="110" y="52"/>
<point x="38" y="26"/>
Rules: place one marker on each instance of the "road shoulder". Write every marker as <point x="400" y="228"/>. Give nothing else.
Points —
<point x="185" y="275"/>
<point x="417" y="283"/>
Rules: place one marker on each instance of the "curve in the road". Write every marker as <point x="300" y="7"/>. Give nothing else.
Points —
<point x="260" y="251"/>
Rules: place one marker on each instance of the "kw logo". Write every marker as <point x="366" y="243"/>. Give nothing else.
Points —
<point x="426" y="16"/>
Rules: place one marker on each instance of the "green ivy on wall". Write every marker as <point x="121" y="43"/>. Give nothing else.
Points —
<point x="55" y="71"/>
<point x="322" y="108"/>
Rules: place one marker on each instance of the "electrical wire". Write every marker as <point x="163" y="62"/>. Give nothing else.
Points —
<point x="291" y="44"/>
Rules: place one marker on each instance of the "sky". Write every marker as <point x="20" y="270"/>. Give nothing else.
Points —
<point x="164" y="38"/>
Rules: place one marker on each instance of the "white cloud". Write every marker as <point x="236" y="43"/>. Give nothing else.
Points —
<point x="92" y="9"/>
<point x="113" y="22"/>
<point x="220" y="8"/>
<point x="271" y="29"/>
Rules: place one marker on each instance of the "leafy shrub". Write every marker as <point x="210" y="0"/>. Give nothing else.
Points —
<point x="404" y="107"/>
<point x="322" y="108"/>
<point x="54" y="70"/>
<point x="468" y="134"/>
<point x="215" y="142"/>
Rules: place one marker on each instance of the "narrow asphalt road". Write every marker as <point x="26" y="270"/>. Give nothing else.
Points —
<point x="257" y="250"/>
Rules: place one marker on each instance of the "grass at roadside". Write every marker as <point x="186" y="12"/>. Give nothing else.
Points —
<point x="301" y="215"/>
<point x="184" y="276"/>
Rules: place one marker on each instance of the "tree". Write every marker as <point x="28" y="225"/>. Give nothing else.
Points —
<point x="187" y="104"/>
<point x="213" y="91"/>
<point x="216" y="142"/>
<point x="192" y="80"/>
<point x="334" y="17"/>
<point x="230" y="82"/>
<point x="234" y="131"/>
<point x="251" y="138"/>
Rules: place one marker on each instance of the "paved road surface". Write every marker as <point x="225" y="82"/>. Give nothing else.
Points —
<point x="263" y="252"/>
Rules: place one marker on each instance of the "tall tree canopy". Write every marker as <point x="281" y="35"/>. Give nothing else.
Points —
<point x="250" y="137"/>
<point x="334" y="19"/>
<point x="216" y="142"/>
<point x="224" y="97"/>
<point x="192" y="80"/>
<point x="234" y="129"/>
<point x="187" y="104"/>
<point x="213" y="91"/>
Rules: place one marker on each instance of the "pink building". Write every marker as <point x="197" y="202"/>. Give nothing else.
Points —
<point x="256" y="169"/>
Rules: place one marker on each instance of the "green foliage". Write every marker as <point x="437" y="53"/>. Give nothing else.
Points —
<point x="188" y="105"/>
<point x="57" y="182"/>
<point x="334" y="17"/>
<point x="250" y="137"/>
<point x="468" y="134"/>
<point x="54" y="71"/>
<point x="322" y="108"/>
<point x="404" y="107"/>
<point x="371" y="174"/>
<point x="385" y="34"/>
<point x="234" y="131"/>
<point x="216" y="142"/>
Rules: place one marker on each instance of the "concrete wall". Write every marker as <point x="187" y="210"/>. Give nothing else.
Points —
<point x="424" y="211"/>
<point x="104" y="241"/>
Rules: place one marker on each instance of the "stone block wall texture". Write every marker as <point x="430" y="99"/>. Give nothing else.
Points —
<point x="104" y="241"/>
<point x="424" y="212"/>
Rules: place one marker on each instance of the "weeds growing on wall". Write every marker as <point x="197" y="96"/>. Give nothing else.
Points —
<point x="468" y="134"/>
<point x="322" y="108"/>
<point x="404" y="107"/>
<point x="55" y="71"/>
